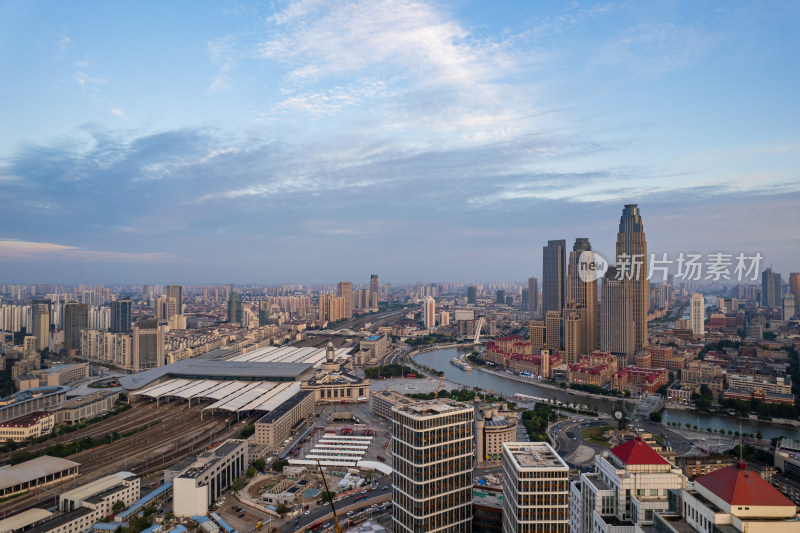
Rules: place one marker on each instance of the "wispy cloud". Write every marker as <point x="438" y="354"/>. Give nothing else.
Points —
<point x="118" y="112"/>
<point x="15" y="250"/>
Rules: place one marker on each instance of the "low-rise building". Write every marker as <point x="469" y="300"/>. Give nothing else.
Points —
<point x="639" y="380"/>
<point x="766" y="389"/>
<point x="66" y="374"/>
<point x="77" y="409"/>
<point x="373" y="347"/>
<point x="337" y="387"/>
<point x="697" y="466"/>
<point x="101" y="495"/>
<point x="494" y="425"/>
<point x="39" y="472"/>
<point x="278" y="425"/>
<point x="593" y="369"/>
<point x="732" y="499"/>
<point x="383" y="401"/>
<point x="30" y="401"/>
<point x="28" y="427"/>
<point x="212" y="473"/>
<point x="24" y="521"/>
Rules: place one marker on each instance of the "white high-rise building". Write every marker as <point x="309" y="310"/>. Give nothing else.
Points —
<point x="789" y="306"/>
<point x="433" y="460"/>
<point x="631" y="482"/>
<point x="698" y="314"/>
<point x="535" y="489"/>
<point x="429" y="312"/>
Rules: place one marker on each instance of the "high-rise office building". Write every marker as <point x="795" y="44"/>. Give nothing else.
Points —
<point x="554" y="324"/>
<point x="632" y="253"/>
<point x="41" y="312"/>
<point x="616" y="317"/>
<point x="789" y="306"/>
<point x="374" y="291"/>
<point x="344" y="289"/>
<point x="264" y="309"/>
<point x="176" y="291"/>
<point x="472" y="294"/>
<point x="76" y="318"/>
<point x="148" y="344"/>
<point x="584" y="294"/>
<point x="234" y="307"/>
<point x="500" y="297"/>
<point x="533" y="295"/>
<point x="554" y="273"/>
<point x="165" y="308"/>
<point x="429" y="312"/>
<point x="575" y="342"/>
<point x="433" y="461"/>
<point x="794" y="289"/>
<point x="698" y="314"/>
<point x="771" y="288"/>
<point x="535" y="489"/>
<point x="121" y="315"/>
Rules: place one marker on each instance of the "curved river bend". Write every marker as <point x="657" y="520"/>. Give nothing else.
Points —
<point x="440" y="360"/>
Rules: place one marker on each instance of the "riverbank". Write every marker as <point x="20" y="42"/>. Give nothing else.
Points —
<point x="544" y="385"/>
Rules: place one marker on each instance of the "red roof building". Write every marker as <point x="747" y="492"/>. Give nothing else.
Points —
<point x="738" y="486"/>
<point x="637" y="452"/>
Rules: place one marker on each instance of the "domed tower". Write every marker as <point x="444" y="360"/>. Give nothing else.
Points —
<point x="330" y="352"/>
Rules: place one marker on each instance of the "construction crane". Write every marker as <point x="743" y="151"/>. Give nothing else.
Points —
<point x="330" y="499"/>
<point x="439" y="386"/>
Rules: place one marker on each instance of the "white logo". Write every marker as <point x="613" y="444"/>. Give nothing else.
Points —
<point x="591" y="266"/>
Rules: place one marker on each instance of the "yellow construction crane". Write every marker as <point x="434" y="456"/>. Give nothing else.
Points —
<point x="439" y="386"/>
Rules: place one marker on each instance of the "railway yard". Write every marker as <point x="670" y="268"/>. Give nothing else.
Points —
<point x="162" y="435"/>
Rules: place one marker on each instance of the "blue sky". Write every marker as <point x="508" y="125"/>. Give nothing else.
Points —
<point x="311" y="141"/>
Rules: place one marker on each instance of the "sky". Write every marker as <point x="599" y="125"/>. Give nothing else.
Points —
<point x="310" y="141"/>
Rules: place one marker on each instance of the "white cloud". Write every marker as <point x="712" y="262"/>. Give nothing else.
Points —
<point x="14" y="250"/>
<point x="118" y="112"/>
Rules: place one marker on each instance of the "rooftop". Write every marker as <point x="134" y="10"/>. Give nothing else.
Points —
<point x="638" y="452"/>
<point x="194" y="368"/>
<point x="528" y="455"/>
<point x="738" y="486"/>
<point x="80" y="401"/>
<point x="33" y="469"/>
<point x="65" y="518"/>
<point x="284" y="408"/>
<point x="24" y="519"/>
<point x="30" y="394"/>
<point x="97" y="486"/>
<point x="431" y="408"/>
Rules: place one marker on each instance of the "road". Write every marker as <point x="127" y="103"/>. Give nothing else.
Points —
<point x="319" y="512"/>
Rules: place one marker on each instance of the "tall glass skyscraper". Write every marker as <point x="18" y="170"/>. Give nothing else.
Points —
<point x="235" y="308"/>
<point x="632" y="250"/>
<point x="554" y="276"/>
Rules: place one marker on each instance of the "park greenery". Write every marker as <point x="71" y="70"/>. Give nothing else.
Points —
<point x="247" y="431"/>
<point x="278" y="464"/>
<point x="390" y="371"/>
<point x="463" y="395"/>
<point x="536" y="420"/>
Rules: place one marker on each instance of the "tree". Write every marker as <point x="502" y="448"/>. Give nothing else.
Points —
<point x="251" y="472"/>
<point x="282" y="510"/>
<point x="238" y="484"/>
<point x="278" y="464"/>
<point x="655" y="417"/>
<point x="327" y="496"/>
<point x="260" y="463"/>
<point x="118" y="506"/>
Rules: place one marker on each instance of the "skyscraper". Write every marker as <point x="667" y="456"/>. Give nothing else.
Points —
<point x="789" y="306"/>
<point x="533" y="295"/>
<point x="472" y="295"/>
<point x="616" y="316"/>
<point x="698" y="314"/>
<point x="794" y="288"/>
<point x="264" y="309"/>
<point x="500" y="297"/>
<point x="583" y="294"/>
<point x="76" y="318"/>
<point x="535" y="489"/>
<point x="148" y="344"/>
<point x="235" y="308"/>
<point x="176" y="291"/>
<point x="554" y="273"/>
<point x="632" y="262"/>
<point x="374" y="291"/>
<point x="121" y="315"/>
<point x="344" y="289"/>
<point x="771" y="288"/>
<point x="433" y="460"/>
<point x="429" y="312"/>
<point x="41" y="311"/>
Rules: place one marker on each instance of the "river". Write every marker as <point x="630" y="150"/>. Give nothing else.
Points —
<point x="440" y="360"/>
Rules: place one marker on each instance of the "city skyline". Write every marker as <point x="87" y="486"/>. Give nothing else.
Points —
<point x="284" y="137"/>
